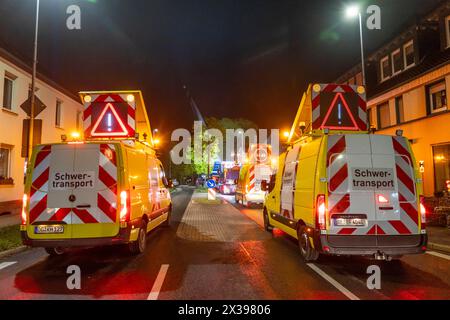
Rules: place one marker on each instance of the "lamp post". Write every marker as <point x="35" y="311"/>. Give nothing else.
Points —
<point x="33" y="84"/>
<point x="352" y="12"/>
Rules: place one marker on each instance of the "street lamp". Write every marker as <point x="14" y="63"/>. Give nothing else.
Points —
<point x="33" y="84"/>
<point x="352" y="12"/>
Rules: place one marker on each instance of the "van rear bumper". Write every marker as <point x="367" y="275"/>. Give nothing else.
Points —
<point x="121" y="238"/>
<point x="358" y="245"/>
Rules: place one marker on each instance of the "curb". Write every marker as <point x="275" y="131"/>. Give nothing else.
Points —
<point x="13" y="251"/>
<point x="440" y="247"/>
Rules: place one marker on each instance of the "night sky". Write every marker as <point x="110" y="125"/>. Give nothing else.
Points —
<point x="239" y="58"/>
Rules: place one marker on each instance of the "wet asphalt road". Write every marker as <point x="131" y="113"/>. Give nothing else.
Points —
<point x="254" y="265"/>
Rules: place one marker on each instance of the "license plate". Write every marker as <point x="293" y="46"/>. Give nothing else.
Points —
<point x="51" y="229"/>
<point x="350" y="221"/>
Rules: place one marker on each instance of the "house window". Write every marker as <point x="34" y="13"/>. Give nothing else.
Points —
<point x="408" y="54"/>
<point x="437" y="97"/>
<point x="441" y="157"/>
<point x="5" y="160"/>
<point x="8" y="86"/>
<point x="58" y="113"/>
<point x="384" y="115"/>
<point x="396" y="62"/>
<point x="385" y="72"/>
<point x="399" y="110"/>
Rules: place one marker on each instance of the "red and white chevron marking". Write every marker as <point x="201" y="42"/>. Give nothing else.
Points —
<point x="409" y="214"/>
<point x="104" y="98"/>
<point x="337" y="167"/>
<point x="105" y="212"/>
<point x="252" y="179"/>
<point x="317" y="112"/>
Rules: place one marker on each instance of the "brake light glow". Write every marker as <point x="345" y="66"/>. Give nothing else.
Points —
<point x="321" y="211"/>
<point x="423" y="212"/>
<point x="382" y="199"/>
<point x="24" y="209"/>
<point x="124" y="206"/>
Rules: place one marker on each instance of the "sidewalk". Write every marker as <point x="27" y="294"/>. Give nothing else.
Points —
<point x="439" y="238"/>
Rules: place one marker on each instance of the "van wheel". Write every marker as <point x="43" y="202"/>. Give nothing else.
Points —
<point x="267" y="225"/>
<point x="169" y="215"/>
<point x="307" y="251"/>
<point x="138" y="246"/>
<point x="55" y="252"/>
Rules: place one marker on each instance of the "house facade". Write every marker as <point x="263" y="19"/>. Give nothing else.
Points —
<point x="62" y="115"/>
<point x="408" y="80"/>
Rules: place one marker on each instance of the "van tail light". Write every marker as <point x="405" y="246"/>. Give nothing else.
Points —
<point x="321" y="212"/>
<point x="382" y="199"/>
<point x="125" y="206"/>
<point x="24" y="209"/>
<point x="423" y="213"/>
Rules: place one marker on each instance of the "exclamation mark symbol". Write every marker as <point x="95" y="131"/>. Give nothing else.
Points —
<point x="339" y="114"/>
<point x="109" y="122"/>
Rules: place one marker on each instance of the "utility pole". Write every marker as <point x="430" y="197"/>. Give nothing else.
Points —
<point x="33" y="85"/>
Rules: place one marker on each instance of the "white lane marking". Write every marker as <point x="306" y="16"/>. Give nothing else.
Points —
<point x="158" y="283"/>
<point x="336" y="284"/>
<point x="437" y="254"/>
<point x="4" y="265"/>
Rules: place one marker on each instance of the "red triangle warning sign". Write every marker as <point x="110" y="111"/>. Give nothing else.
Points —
<point x="109" y="124"/>
<point x="339" y="115"/>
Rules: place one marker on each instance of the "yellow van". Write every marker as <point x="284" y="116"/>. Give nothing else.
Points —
<point x="91" y="194"/>
<point x="341" y="190"/>
<point x="108" y="188"/>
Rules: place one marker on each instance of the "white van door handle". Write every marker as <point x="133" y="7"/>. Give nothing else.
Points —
<point x="81" y="206"/>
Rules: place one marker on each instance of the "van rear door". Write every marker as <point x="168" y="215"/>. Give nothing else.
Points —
<point x="94" y="213"/>
<point x="352" y="209"/>
<point x="397" y="208"/>
<point x="371" y="188"/>
<point x="80" y="190"/>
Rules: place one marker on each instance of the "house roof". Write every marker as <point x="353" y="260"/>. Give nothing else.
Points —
<point x="13" y="58"/>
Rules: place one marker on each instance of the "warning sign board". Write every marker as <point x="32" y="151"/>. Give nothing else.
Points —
<point x="109" y="115"/>
<point x="109" y="123"/>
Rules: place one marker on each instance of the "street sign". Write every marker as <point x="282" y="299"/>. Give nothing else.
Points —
<point x="39" y="106"/>
<point x="211" y="184"/>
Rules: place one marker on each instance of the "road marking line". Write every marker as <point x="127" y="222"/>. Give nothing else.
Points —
<point x="4" y="265"/>
<point x="336" y="284"/>
<point x="154" y="293"/>
<point x="440" y="255"/>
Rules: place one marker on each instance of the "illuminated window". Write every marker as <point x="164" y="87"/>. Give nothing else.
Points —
<point x="396" y="62"/>
<point x="385" y="68"/>
<point x="408" y="54"/>
<point x="437" y="97"/>
<point x="441" y="156"/>
<point x="5" y="163"/>
<point x="384" y="115"/>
